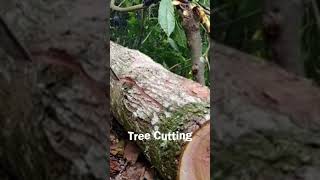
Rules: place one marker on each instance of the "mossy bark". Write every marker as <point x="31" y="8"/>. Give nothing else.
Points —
<point x="172" y="104"/>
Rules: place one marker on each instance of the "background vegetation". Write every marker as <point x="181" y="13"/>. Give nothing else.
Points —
<point x="239" y="24"/>
<point x="141" y="30"/>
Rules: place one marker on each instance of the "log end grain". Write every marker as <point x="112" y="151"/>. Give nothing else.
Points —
<point x="195" y="159"/>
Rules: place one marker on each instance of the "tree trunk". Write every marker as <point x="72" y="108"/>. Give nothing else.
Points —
<point x="52" y="126"/>
<point x="148" y="98"/>
<point x="266" y="120"/>
<point x="282" y="20"/>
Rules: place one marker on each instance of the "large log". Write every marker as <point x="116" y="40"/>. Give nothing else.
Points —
<point x="148" y="98"/>
<point x="51" y="124"/>
<point x="267" y="120"/>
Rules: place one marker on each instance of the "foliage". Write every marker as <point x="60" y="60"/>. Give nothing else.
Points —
<point x="166" y="16"/>
<point x="157" y="32"/>
<point x="238" y="24"/>
<point x="311" y="44"/>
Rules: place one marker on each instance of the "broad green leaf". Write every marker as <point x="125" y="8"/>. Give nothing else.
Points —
<point x="166" y="16"/>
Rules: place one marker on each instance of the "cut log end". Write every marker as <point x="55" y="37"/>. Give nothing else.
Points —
<point x="170" y="103"/>
<point x="195" y="159"/>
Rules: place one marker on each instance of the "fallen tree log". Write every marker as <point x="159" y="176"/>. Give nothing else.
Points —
<point x="267" y="120"/>
<point x="147" y="98"/>
<point x="52" y="125"/>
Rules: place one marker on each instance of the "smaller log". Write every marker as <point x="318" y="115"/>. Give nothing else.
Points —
<point x="195" y="159"/>
<point x="147" y="98"/>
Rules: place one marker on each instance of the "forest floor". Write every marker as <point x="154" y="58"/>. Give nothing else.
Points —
<point x="126" y="159"/>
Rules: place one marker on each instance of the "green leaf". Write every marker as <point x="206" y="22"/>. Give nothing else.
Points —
<point x="180" y="37"/>
<point x="173" y="44"/>
<point x="166" y="16"/>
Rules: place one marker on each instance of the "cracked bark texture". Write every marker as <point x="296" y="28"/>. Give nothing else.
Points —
<point x="158" y="100"/>
<point x="52" y="125"/>
<point x="267" y="120"/>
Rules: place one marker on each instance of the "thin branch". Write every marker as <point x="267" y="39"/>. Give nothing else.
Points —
<point x="126" y="9"/>
<point x="192" y="29"/>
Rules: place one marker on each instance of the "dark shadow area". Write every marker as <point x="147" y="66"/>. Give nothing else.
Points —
<point x="54" y="91"/>
<point x="266" y="95"/>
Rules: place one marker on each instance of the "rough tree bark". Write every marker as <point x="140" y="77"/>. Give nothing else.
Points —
<point x="267" y="119"/>
<point x="149" y="98"/>
<point x="282" y="20"/>
<point x="191" y="27"/>
<point x="52" y="126"/>
<point x="266" y="122"/>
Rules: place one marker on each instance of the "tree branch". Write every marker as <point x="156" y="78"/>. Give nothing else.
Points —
<point x="192" y="29"/>
<point x="126" y="9"/>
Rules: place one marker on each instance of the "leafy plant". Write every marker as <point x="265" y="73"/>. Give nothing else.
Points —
<point x="158" y="32"/>
<point x="238" y="24"/>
